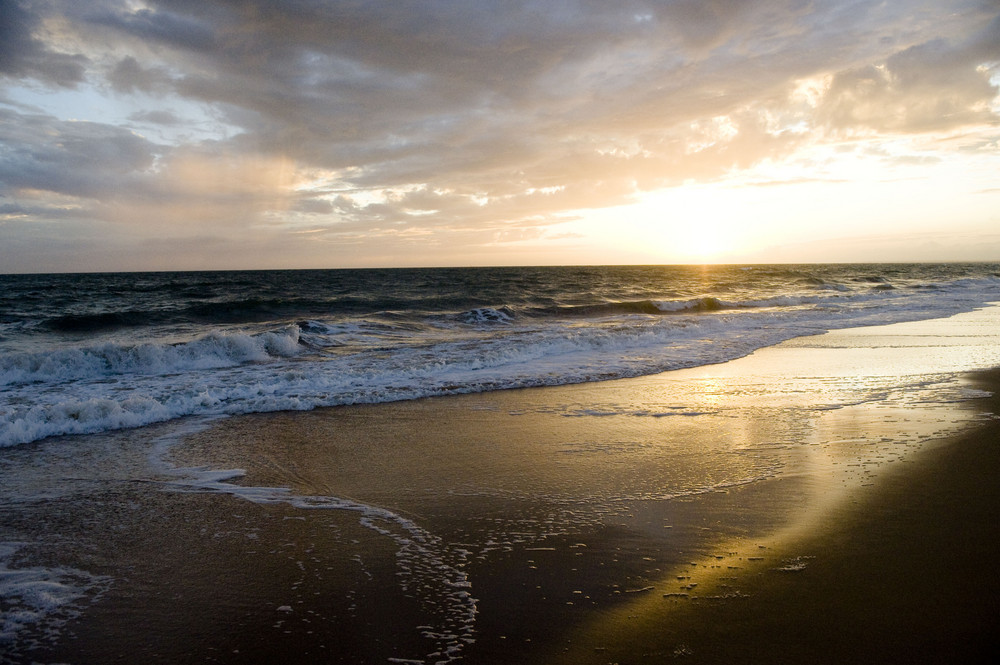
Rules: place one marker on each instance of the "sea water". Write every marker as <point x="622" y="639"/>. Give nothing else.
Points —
<point x="96" y="352"/>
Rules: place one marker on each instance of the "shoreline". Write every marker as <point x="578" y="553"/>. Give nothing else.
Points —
<point x="570" y="512"/>
<point x="905" y="572"/>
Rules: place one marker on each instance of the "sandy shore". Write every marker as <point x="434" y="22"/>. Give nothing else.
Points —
<point x="832" y="499"/>
<point x="906" y="571"/>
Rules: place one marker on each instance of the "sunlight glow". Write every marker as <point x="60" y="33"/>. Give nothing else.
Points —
<point x="772" y="213"/>
<point x="693" y="223"/>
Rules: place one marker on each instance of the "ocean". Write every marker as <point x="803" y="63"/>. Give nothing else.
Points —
<point x="88" y="353"/>
<point x="172" y="492"/>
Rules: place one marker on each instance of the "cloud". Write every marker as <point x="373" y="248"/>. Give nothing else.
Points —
<point x="435" y="117"/>
<point x="933" y="86"/>
<point x="156" y="117"/>
<point x="22" y="54"/>
<point x="98" y="171"/>
<point x="129" y="76"/>
<point x="81" y="159"/>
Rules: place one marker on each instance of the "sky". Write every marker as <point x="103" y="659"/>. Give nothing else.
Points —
<point x="225" y="134"/>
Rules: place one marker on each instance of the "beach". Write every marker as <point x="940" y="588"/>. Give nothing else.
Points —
<point x="904" y="571"/>
<point x="829" y="499"/>
<point x="493" y="333"/>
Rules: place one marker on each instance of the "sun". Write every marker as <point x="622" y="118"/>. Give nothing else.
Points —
<point x="704" y="242"/>
<point x="694" y="224"/>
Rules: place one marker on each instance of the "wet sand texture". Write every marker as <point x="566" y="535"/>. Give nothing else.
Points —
<point x="758" y="511"/>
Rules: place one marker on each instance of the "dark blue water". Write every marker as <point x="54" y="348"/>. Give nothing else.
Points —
<point x="92" y="352"/>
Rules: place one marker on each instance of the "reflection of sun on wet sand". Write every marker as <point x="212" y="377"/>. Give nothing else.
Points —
<point x="895" y="567"/>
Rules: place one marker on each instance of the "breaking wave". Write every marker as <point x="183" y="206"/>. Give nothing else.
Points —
<point x="93" y="381"/>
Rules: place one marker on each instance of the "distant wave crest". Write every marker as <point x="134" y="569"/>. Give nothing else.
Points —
<point x="487" y="315"/>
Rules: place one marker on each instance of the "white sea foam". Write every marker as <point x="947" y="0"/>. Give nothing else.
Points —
<point x="37" y="601"/>
<point x="116" y="385"/>
<point x="214" y="351"/>
<point x="428" y="568"/>
<point x="487" y="315"/>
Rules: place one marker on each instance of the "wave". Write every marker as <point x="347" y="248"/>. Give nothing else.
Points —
<point x="488" y="315"/>
<point x="85" y="395"/>
<point x="213" y="351"/>
<point x="506" y="315"/>
<point x="261" y="310"/>
<point x="222" y="299"/>
<point x="99" y="321"/>
<point x="246" y="310"/>
<point x="313" y="362"/>
<point x="232" y="311"/>
<point x="243" y="310"/>
<point x="707" y="304"/>
<point x="629" y="307"/>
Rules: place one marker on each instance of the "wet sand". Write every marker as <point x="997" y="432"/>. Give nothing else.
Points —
<point x="757" y="511"/>
<point x="906" y="571"/>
